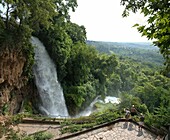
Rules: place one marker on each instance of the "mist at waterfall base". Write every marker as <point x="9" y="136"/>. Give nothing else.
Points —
<point x="89" y="110"/>
<point x="51" y="94"/>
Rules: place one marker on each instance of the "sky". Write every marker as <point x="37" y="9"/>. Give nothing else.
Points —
<point x="104" y="22"/>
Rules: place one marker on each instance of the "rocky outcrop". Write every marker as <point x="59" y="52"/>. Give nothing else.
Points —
<point x="11" y="67"/>
<point x="12" y="79"/>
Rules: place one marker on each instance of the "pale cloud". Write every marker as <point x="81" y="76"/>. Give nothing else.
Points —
<point x="103" y="21"/>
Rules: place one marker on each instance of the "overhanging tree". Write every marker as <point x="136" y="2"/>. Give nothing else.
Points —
<point x="158" y="23"/>
<point x="30" y="15"/>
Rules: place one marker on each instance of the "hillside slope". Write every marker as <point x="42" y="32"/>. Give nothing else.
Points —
<point x="142" y="52"/>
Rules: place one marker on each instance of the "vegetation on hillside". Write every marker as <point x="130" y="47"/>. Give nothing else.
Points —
<point x="140" y="52"/>
<point x="157" y="26"/>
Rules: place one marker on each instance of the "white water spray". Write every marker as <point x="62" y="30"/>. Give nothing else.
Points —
<point x="90" y="109"/>
<point x="50" y="91"/>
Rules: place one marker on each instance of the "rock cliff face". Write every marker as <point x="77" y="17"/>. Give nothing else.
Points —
<point x="12" y="80"/>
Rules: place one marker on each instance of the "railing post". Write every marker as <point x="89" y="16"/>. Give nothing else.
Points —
<point x="167" y="137"/>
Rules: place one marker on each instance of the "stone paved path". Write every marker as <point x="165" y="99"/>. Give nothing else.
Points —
<point x="118" y="131"/>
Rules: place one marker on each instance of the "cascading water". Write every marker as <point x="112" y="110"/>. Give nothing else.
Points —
<point x="50" y="91"/>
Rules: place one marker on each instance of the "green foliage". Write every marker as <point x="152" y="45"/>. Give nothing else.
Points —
<point x="29" y="53"/>
<point x="75" y="95"/>
<point x="102" y="107"/>
<point x="149" y="119"/>
<point x="15" y="36"/>
<point x="79" y="64"/>
<point x="5" y="127"/>
<point x="158" y="23"/>
<point x="94" y="119"/>
<point x="113" y="86"/>
<point x="127" y="100"/>
<point x="28" y="107"/>
<point x="77" y="33"/>
<point x="143" y="108"/>
<point x="18" y="118"/>
<point x="2" y="130"/>
<point x="27" y="13"/>
<point x="71" y="129"/>
<point x="5" y="109"/>
<point x="13" y="135"/>
<point x="154" y="88"/>
<point x="40" y="136"/>
<point x="140" y="52"/>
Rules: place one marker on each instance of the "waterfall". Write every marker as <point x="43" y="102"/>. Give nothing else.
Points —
<point x="50" y="91"/>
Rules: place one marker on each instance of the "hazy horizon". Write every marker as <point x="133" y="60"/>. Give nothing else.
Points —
<point x="104" y="22"/>
<point x="148" y="42"/>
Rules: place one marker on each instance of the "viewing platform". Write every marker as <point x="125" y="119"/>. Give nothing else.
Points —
<point x="116" y="130"/>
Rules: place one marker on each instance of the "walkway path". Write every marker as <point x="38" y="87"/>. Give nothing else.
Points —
<point x="117" y="131"/>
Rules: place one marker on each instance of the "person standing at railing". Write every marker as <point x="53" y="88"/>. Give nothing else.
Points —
<point x="141" y="122"/>
<point x="133" y="111"/>
<point x="127" y="114"/>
